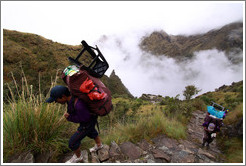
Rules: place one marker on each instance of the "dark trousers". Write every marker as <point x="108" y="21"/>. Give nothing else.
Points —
<point x="85" y="129"/>
<point x="207" y="137"/>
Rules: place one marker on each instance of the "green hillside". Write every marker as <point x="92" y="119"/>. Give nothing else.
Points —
<point x="39" y="59"/>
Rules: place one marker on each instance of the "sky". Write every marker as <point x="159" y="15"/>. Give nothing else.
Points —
<point x="117" y="28"/>
<point x="69" y="22"/>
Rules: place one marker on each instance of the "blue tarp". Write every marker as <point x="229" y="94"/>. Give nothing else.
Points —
<point x="214" y="112"/>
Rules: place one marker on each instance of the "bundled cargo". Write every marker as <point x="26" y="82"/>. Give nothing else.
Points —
<point x="84" y="81"/>
<point x="217" y="111"/>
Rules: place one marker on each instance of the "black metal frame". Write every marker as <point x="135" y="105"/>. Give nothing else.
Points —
<point x="217" y="106"/>
<point x="97" y="67"/>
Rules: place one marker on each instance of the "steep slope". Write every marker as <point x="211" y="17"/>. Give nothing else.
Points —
<point x="228" y="38"/>
<point x="116" y="86"/>
<point x="39" y="58"/>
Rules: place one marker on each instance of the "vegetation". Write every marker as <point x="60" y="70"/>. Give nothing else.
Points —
<point x="41" y="59"/>
<point x="145" y="127"/>
<point x="190" y="91"/>
<point x="31" y="125"/>
<point x="116" y="86"/>
<point x="233" y="149"/>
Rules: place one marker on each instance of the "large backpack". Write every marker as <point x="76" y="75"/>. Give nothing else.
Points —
<point x="89" y="89"/>
<point x="83" y="79"/>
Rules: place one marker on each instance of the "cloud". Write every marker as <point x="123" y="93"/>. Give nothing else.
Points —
<point x="69" y="22"/>
<point x="146" y="73"/>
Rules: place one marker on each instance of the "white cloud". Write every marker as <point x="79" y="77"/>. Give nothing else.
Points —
<point x="145" y="73"/>
<point x="70" y="22"/>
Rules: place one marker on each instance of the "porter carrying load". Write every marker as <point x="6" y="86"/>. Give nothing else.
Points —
<point x="213" y="122"/>
<point x="83" y="79"/>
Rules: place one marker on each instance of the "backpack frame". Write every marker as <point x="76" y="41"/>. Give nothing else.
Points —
<point x="97" y="67"/>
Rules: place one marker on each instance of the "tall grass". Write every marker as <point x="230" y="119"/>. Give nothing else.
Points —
<point x="146" y="127"/>
<point x="233" y="149"/>
<point x="29" y="124"/>
<point x="234" y="114"/>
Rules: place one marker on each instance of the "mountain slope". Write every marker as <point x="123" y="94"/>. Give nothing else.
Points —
<point x="38" y="57"/>
<point x="228" y="38"/>
<point x="116" y="85"/>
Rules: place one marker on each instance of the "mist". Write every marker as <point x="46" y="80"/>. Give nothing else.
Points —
<point x="142" y="72"/>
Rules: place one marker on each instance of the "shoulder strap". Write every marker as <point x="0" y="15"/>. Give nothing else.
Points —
<point x="73" y="101"/>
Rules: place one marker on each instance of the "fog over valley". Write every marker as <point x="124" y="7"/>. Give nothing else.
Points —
<point x="142" y="72"/>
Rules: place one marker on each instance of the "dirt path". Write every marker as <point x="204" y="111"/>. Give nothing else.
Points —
<point x="195" y="131"/>
<point x="161" y="149"/>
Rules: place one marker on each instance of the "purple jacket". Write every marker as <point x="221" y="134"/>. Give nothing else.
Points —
<point x="81" y="113"/>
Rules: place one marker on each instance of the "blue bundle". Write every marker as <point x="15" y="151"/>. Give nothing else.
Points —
<point x="215" y="113"/>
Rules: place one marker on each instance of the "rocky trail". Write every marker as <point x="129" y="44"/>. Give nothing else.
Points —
<point x="161" y="149"/>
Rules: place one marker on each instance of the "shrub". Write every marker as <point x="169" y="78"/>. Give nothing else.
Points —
<point x="233" y="149"/>
<point x="29" y="124"/>
<point x="199" y="104"/>
<point x="206" y="99"/>
<point x="146" y="127"/>
<point x="190" y="91"/>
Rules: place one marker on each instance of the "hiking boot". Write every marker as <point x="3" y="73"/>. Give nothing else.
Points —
<point x="75" y="159"/>
<point x="96" y="148"/>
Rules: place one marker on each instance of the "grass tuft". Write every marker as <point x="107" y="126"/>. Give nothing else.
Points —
<point x="146" y="128"/>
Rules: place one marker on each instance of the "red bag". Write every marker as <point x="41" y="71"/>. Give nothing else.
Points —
<point x="91" y="90"/>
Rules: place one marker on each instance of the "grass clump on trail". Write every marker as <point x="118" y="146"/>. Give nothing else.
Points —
<point x="142" y="120"/>
<point x="146" y="128"/>
<point x="29" y="124"/>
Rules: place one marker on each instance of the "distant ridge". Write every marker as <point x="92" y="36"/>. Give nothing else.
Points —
<point x="229" y="38"/>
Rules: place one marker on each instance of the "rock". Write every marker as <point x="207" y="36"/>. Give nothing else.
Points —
<point x="43" y="157"/>
<point x="69" y="155"/>
<point x="183" y="157"/>
<point x="187" y="144"/>
<point x="103" y="154"/>
<point x="65" y="157"/>
<point x="85" y="156"/>
<point x="94" y="158"/>
<point x="26" y="157"/>
<point x="151" y="98"/>
<point x="144" y="145"/>
<point x="166" y="150"/>
<point x="114" y="150"/>
<point x="149" y="158"/>
<point x="164" y="140"/>
<point x="139" y="161"/>
<point x="200" y="151"/>
<point x="130" y="150"/>
<point x="159" y="154"/>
